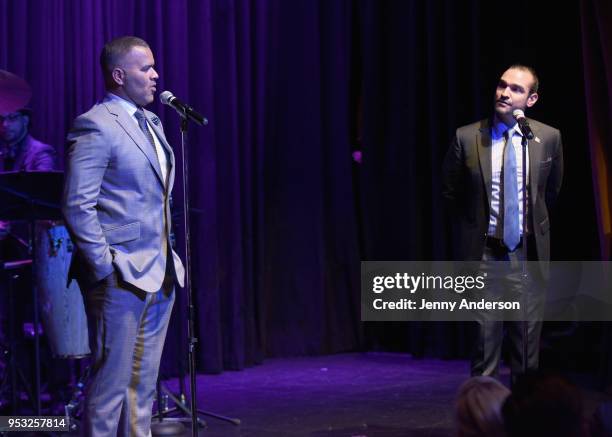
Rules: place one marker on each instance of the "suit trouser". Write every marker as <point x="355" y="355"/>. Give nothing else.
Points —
<point x="127" y="331"/>
<point x="490" y="333"/>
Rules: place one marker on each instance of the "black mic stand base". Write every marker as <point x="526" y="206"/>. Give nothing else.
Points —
<point x="161" y="425"/>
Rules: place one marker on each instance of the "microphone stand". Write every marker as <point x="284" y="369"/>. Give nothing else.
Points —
<point x="525" y="323"/>
<point x="192" y="339"/>
<point x="191" y="334"/>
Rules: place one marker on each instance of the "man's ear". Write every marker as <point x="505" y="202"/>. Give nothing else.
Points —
<point x="118" y="75"/>
<point x="532" y="99"/>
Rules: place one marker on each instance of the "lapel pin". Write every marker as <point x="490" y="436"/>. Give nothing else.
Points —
<point x="537" y="140"/>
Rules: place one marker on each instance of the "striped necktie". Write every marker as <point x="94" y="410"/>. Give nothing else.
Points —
<point x="142" y="123"/>
<point x="512" y="234"/>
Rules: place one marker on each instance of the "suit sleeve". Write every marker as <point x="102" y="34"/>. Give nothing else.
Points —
<point x="87" y="157"/>
<point x="555" y="178"/>
<point x="452" y="173"/>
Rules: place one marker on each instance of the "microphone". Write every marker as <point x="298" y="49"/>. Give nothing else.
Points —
<point x="184" y="110"/>
<point x="519" y="116"/>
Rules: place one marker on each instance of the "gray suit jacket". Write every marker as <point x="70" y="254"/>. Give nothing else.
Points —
<point x="467" y="185"/>
<point x="115" y="204"/>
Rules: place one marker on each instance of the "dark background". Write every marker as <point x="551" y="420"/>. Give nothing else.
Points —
<point x="282" y="215"/>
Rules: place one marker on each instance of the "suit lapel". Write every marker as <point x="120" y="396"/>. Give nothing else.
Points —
<point x="483" y="144"/>
<point x="535" y="151"/>
<point x="131" y="129"/>
<point x="155" y="123"/>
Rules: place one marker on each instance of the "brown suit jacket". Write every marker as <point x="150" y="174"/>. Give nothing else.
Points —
<point x="467" y="186"/>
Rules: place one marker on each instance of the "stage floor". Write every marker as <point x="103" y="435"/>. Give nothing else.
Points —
<point x="356" y="395"/>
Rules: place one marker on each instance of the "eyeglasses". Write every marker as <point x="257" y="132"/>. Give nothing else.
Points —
<point x="11" y="117"/>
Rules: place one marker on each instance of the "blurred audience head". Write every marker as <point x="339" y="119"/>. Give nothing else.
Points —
<point x="543" y="405"/>
<point x="601" y="423"/>
<point x="478" y="407"/>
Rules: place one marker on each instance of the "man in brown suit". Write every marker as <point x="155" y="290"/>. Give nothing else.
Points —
<point x="476" y="187"/>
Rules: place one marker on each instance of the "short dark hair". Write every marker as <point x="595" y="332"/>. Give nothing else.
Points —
<point x="113" y="51"/>
<point x="536" y="81"/>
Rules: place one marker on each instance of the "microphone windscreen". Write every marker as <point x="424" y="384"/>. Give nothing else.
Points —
<point x="165" y="97"/>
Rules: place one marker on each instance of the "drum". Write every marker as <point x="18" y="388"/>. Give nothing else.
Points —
<point x="62" y="309"/>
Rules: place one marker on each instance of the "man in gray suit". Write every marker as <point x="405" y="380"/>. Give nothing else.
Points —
<point x="119" y="176"/>
<point x="483" y="189"/>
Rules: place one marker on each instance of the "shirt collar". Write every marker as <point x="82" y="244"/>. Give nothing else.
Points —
<point x="499" y="128"/>
<point x="129" y="107"/>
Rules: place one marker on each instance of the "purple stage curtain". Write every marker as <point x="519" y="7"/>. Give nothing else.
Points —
<point x="596" y="17"/>
<point x="275" y="258"/>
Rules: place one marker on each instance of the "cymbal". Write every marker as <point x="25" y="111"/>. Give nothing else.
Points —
<point x="15" y="93"/>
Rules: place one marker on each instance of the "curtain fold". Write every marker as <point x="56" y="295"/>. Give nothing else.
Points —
<point x="596" y="16"/>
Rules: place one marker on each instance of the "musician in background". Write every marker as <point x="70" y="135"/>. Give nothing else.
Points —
<point x="20" y="151"/>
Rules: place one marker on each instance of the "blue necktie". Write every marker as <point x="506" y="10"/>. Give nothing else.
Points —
<point x="512" y="233"/>
<point x="142" y="123"/>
